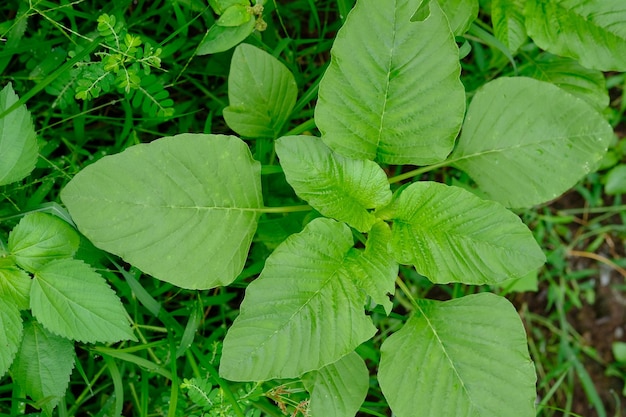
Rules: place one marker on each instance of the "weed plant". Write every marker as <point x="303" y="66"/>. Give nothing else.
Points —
<point x="120" y="93"/>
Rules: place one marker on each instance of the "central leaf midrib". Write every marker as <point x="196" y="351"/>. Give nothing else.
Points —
<point x="445" y="352"/>
<point x="316" y="294"/>
<point x="387" y="86"/>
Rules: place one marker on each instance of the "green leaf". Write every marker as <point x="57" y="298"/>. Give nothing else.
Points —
<point x="220" y="6"/>
<point x="507" y="17"/>
<point x="461" y="358"/>
<point x="374" y="269"/>
<point x="526" y="142"/>
<point x="302" y="313"/>
<point x="72" y="300"/>
<point x="222" y="38"/>
<point x="568" y="74"/>
<point x="590" y="31"/>
<point x="40" y="238"/>
<point x="199" y="391"/>
<point x="190" y="224"/>
<point x="336" y="186"/>
<point x="392" y="90"/>
<point x="338" y="389"/>
<point x="43" y="365"/>
<point x="18" y="140"/>
<point x="460" y="14"/>
<point x="14" y="284"/>
<point x="450" y="235"/>
<point x="235" y="15"/>
<point x="616" y="181"/>
<point x="11" y="334"/>
<point x="261" y="92"/>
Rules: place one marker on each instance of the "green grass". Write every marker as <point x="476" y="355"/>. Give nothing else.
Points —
<point x="180" y="331"/>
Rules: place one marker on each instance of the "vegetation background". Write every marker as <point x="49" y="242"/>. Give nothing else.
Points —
<point x="574" y="317"/>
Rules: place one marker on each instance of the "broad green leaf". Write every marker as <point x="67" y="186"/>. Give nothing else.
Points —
<point x="72" y="300"/>
<point x="235" y="15"/>
<point x="590" y="31"/>
<point x="335" y="185"/>
<point x="616" y="181"/>
<point x="526" y="142"/>
<point x="338" y="389"/>
<point x="261" y="93"/>
<point x="392" y="90"/>
<point x="18" y="140"/>
<point x="466" y="357"/>
<point x="11" y="334"/>
<point x="450" y="235"/>
<point x="507" y="17"/>
<point x="460" y="14"/>
<point x="222" y="38"/>
<point x="302" y="313"/>
<point x="40" y="238"/>
<point x="43" y="365"/>
<point x="374" y="269"/>
<point x="220" y="6"/>
<point x="190" y="224"/>
<point x="14" y="284"/>
<point x="568" y="74"/>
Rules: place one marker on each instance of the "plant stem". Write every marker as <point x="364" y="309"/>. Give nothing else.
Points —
<point x="286" y="209"/>
<point x="406" y="292"/>
<point x="418" y="171"/>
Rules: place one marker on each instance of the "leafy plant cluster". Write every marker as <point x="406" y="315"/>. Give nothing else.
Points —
<point x="192" y="209"/>
<point x="126" y="65"/>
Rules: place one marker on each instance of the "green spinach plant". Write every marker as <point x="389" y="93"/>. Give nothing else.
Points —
<point x="185" y="208"/>
<point x="48" y="299"/>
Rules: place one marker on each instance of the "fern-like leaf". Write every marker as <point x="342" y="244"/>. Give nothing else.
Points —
<point x="112" y="30"/>
<point x="92" y="81"/>
<point x="152" y="98"/>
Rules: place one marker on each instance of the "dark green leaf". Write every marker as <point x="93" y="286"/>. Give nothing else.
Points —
<point x="40" y="238"/>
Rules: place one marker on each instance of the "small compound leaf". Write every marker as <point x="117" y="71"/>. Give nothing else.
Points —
<point x="14" y="284"/>
<point x="334" y="185"/>
<point x="40" y="238"/>
<point x="261" y="92"/>
<point x="588" y="31"/>
<point x="572" y="77"/>
<point x="460" y="14"/>
<point x="43" y="365"/>
<point x="392" y="91"/>
<point x="507" y="17"/>
<point x="302" y="313"/>
<point x="450" y="235"/>
<point x="190" y="224"/>
<point x="72" y="300"/>
<point x="222" y="38"/>
<point x="11" y="334"/>
<point x="526" y="142"/>
<point x="374" y="269"/>
<point x="474" y="351"/>
<point x="338" y="389"/>
<point x="18" y="140"/>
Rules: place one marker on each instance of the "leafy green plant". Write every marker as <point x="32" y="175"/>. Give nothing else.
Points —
<point x="48" y="298"/>
<point x="185" y="210"/>
<point x="126" y="65"/>
<point x="237" y="20"/>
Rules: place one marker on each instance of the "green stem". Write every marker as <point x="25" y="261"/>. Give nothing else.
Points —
<point x="407" y="292"/>
<point x="418" y="171"/>
<point x="286" y="209"/>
